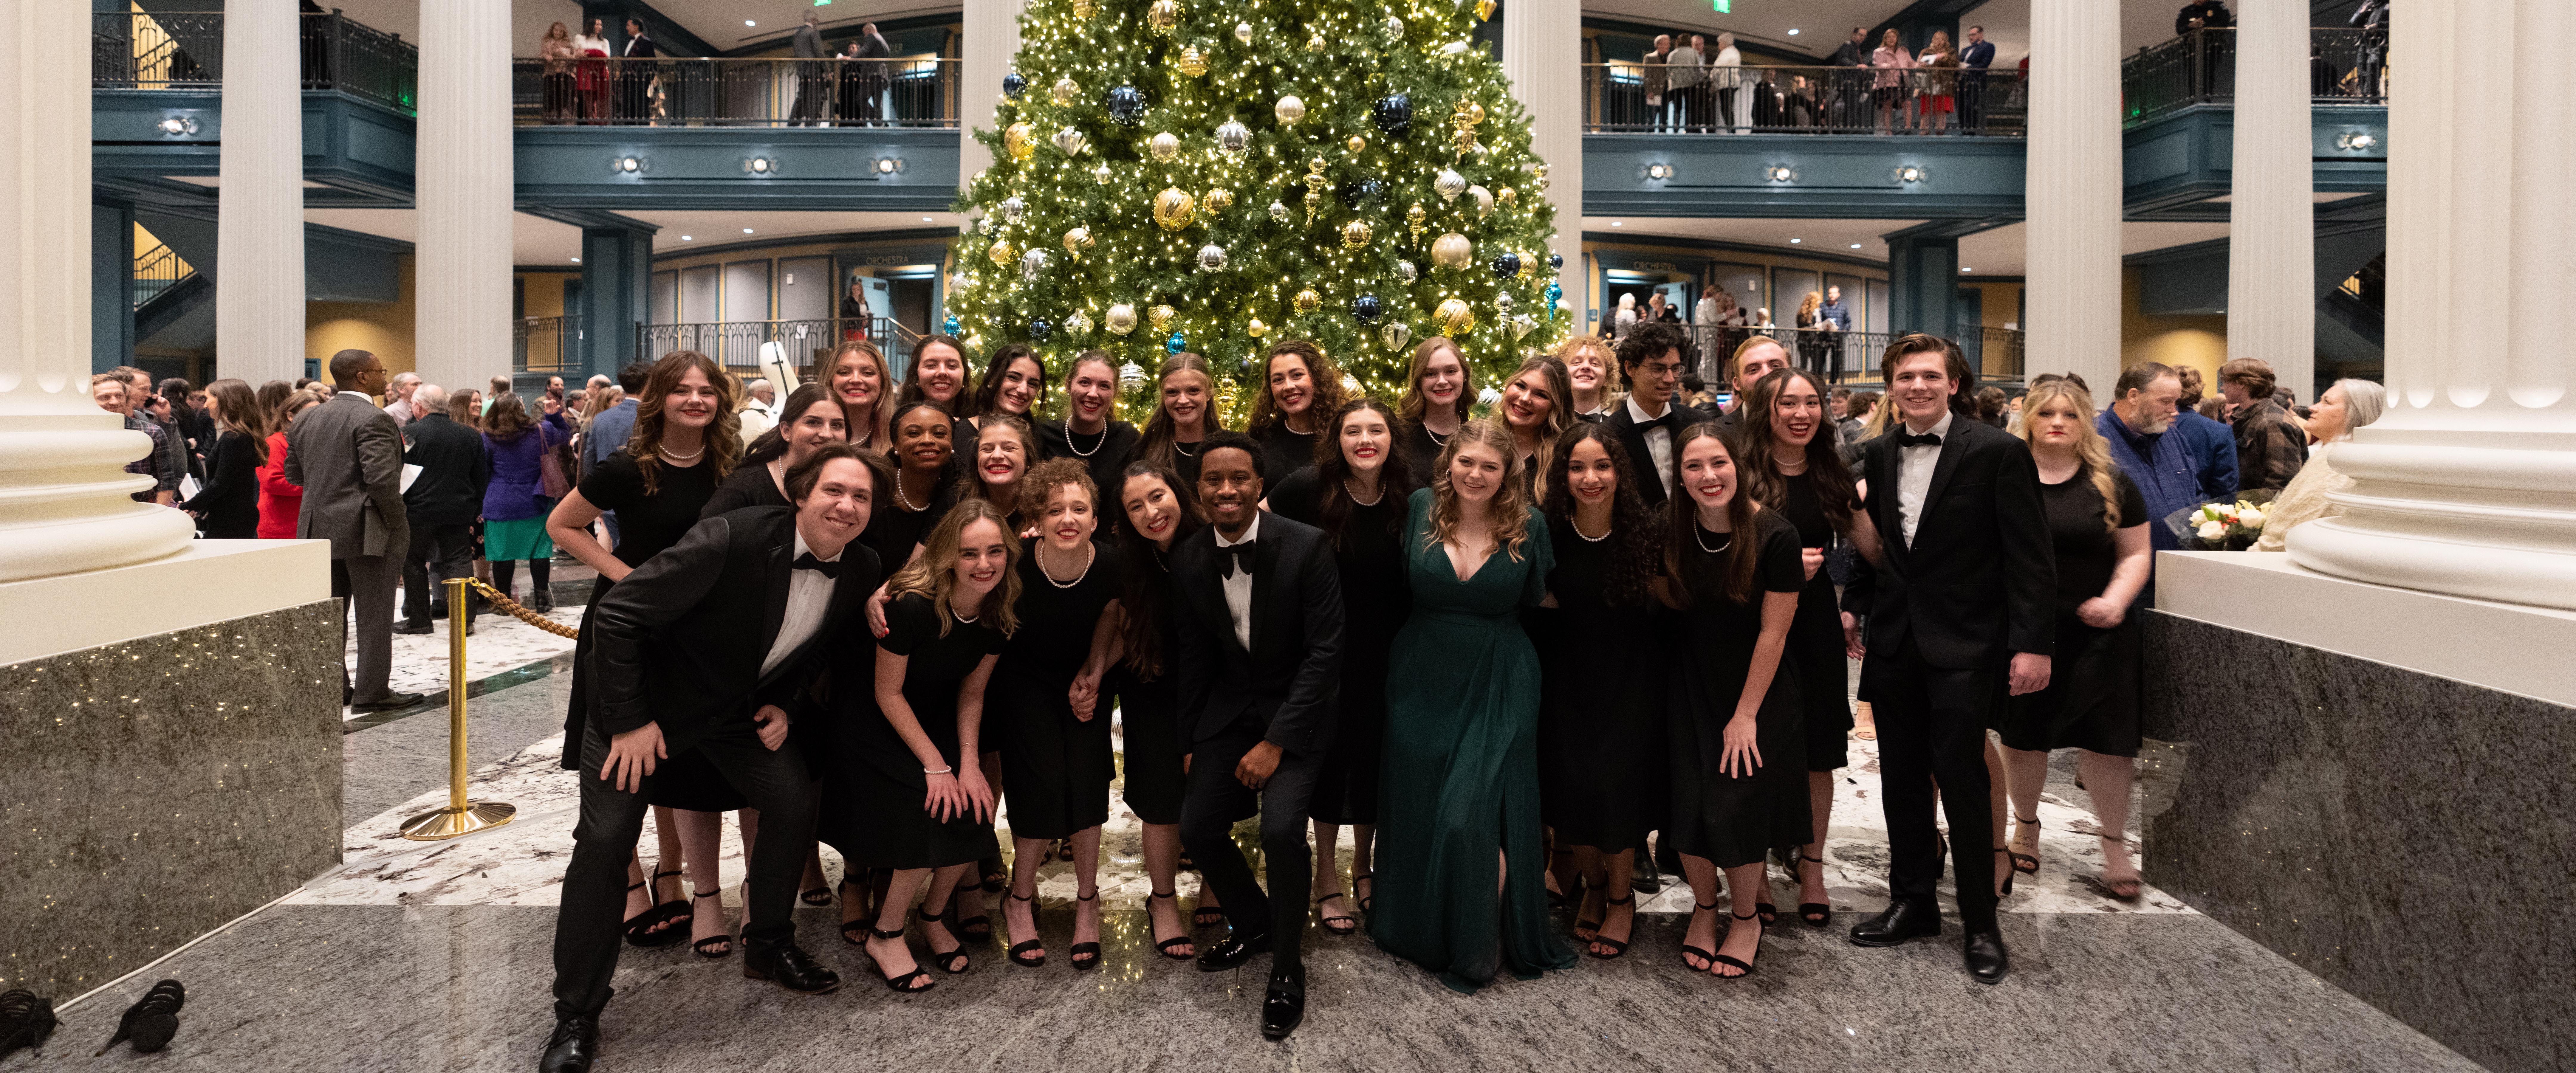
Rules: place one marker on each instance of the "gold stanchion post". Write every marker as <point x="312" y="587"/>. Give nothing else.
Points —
<point x="460" y="817"/>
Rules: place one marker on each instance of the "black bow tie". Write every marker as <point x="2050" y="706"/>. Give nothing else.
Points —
<point x="1243" y="556"/>
<point x="807" y="561"/>
<point x="1908" y="439"/>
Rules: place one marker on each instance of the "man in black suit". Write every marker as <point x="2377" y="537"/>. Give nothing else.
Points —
<point x="443" y="501"/>
<point x="1961" y="604"/>
<point x="709" y="646"/>
<point x="812" y="81"/>
<point x="1650" y="364"/>
<point x="635" y="75"/>
<point x="1260" y="605"/>
<point x="874" y="73"/>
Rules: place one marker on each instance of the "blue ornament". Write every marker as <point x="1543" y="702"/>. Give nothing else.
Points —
<point x="1367" y="308"/>
<point x="1126" y="104"/>
<point x="1040" y="329"/>
<point x="1176" y="344"/>
<point x="1556" y="260"/>
<point x="948" y="326"/>
<point x="1394" y="114"/>
<point x="1013" y="85"/>
<point x="1507" y="265"/>
<point x="1555" y="292"/>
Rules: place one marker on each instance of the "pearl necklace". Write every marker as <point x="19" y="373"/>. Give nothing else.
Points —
<point x="1702" y="541"/>
<point x="678" y="459"/>
<point x="1096" y="445"/>
<point x="1588" y="538"/>
<point x="903" y="501"/>
<point x="1092" y="557"/>
<point x="1437" y="440"/>
<point x="1355" y="496"/>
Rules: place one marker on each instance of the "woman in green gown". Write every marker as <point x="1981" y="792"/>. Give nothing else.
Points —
<point x="1461" y="878"/>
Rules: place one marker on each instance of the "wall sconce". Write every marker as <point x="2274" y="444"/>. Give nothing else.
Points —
<point x="2354" y="141"/>
<point x="885" y="166"/>
<point x="629" y="165"/>
<point x="1660" y="171"/>
<point x="1779" y="173"/>
<point x="1910" y="174"/>
<point x="179" y="124"/>
<point x="762" y="166"/>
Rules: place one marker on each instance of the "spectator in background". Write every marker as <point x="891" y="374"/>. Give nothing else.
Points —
<point x="871" y="50"/>
<point x="347" y="455"/>
<point x="1973" y="61"/>
<point x="557" y="51"/>
<point x="115" y="395"/>
<point x="1833" y="311"/>
<point x="1991" y="406"/>
<point x="516" y="502"/>
<point x="1685" y="107"/>
<point x="2346" y="406"/>
<point x="1655" y="81"/>
<point x="398" y="397"/>
<point x="1625" y="320"/>
<point x="1726" y="85"/>
<point x="188" y="415"/>
<point x="2138" y="427"/>
<point x="1846" y="97"/>
<point x="555" y="388"/>
<point x="2203" y="15"/>
<point x="1854" y="426"/>
<point x="2213" y="444"/>
<point x="1887" y="91"/>
<point x="149" y="406"/>
<point x="812" y="83"/>
<point x="1940" y="85"/>
<point x="606" y="434"/>
<point x="2270" y="447"/>
<point x="443" y="502"/>
<point x="280" y="500"/>
<point x="635" y="75"/>
<point x="500" y="385"/>
<point x="466" y="408"/>
<point x="227" y="507"/>
<point x="759" y="409"/>
<point x="590" y="72"/>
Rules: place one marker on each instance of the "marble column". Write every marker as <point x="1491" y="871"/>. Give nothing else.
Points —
<point x="2072" y="190"/>
<point x="464" y="192"/>
<point x="259" y="235"/>
<point x="990" y="40"/>
<point x="2271" y="227"/>
<point x="1550" y="84"/>
<point x="2467" y="485"/>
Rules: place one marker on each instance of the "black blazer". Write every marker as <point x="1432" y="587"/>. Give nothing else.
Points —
<point x="230" y="497"/>
<point x="680" y="641"/>
<point x="1633" y="437"/>
<point x="1980" y="580"/>
<point x="1290" y="679"/>
<point x="454" y="471"/>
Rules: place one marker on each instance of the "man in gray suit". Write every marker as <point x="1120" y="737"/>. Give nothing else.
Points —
<point x="348" y="457"/>
<point x="811" y="79"/>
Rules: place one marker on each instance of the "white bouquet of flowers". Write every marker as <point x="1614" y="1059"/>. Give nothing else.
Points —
<point x="2220" y="526"/>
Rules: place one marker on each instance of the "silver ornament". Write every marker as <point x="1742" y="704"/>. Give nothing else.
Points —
<point x="1503" y="302"/>
<point x="1454" y="48"/>
<point x="1011" y="208"/>
<point x="1406" y="270"/>
<point x="1079" y="324"/>
<point x="1449" y="184"/>
<point x="1121" y="319"/>
<point x="1484" y="200"/>
<point x="1232" y="138"/>
<point x="1212" y="258"/>
<point x="1164" y="146"/>
<point x="1394" y="26"/>
<point x="1101" y="173"/>
<point x="1243" y="32"/>
<point x="1069" y="141"/>
<point x="1032" y="264"/>
<point x="1278" y="212"/>
<point x="1395" y="335"/>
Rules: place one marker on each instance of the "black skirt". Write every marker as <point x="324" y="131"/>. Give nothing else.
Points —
<point x="1824" y="674"/>
<point x="2091" y="702"/>
<point x="1149" y="716"/>
<point x="1058" y="768"/>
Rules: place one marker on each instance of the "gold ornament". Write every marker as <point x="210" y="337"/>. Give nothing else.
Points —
<point x="1161" y="317"/>
<point x="1164" y="146"/>
<point x="1163" y="17"/>
<point x="1078" y="240"/>
<point x="1463" y="140"/>
<point x="1065" y="91"/>
<point x="1413" y="218"/>
<point x="1506" y="196"/>
<point x="1456" y="318"/>
<point x="1289" y="110"/>
<point x="1355" y="235"/>
<point x="1452" y="250"/>
<point x="1529" y="266"/>
<point x="1314" y="187"/>
<point x="1192" y="62"/>
<point x="1256" y="329"/>
<point x="1307" y="301"/>
<point x="1541" y="172"/>
<point x="1002" y="253"/>
<point x="1083" y="9"/>
<point x="1315" y="43"/>
<point x="1101" y="174"/>
<point x="1121" y="319"/>
<point x="1218" y="200"/>
<point x="1395" y="335"/>
<point x="1484" y="10"/>
<point x="1174" y="209"/>
<point x="1484" y="200"/>
<point x="1357" y="143"/>
<point x="1017" y="139"/>
<point x="1475" y="113"/>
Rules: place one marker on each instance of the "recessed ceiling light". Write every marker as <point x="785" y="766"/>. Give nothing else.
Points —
<point x="1964" y="268"/>
<point x="576" y="260"/>
<point x="1793" y="31"/>
<point x="1614" y="223"/>
<point x="1796" y="241"/>
<point x="925" y="219"/>
<point x="746" y="230"/>
<point x="1855" y="245"/>
<point x="687" y="238"/>
<point x="748" y="22"/>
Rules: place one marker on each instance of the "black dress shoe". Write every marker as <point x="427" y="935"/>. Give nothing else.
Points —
<point x="1899" y="922"/>
<point x="1233" y="951"/>
<point x="1987" y="960"/>
<point x="1285" y="1004"/>
<point x="791" y="967"/>
<point x="573" y="1046"/>
<point x="391" y="702"/>
<point x="409" y="630"/>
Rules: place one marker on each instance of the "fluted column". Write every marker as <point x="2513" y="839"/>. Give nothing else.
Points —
<point x="990" y="39"/>
<point x="259" y="234"/>
<point x="1548" y="79"/>
<point x="2468" y="485"/>
<point x="64" y="503"/>
<point x="2073" y="189"/>
<point x="464" y="169"/>
<point x="2271" y="228"/>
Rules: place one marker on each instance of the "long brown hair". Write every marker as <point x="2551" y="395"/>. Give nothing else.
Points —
<point x="1743" y="550"/>
<point x="1636" y="543"/>
<point x="1326" y="380"/>
<point x="988" y="389"/>
<point x="772" y="444"/>
<point x="933" y="573"/>
<point x="1156" y="446"/>
<point x="507" y="418"/>
<point x="1415" y="405"/>
<point x="241" y="412"/>
<point x="1509" y="515"/>
<point x="1831" y="478"/>
<point x="1560" y="413"/>
<point x="909" y="391"/>
<point x="2090" y="447"/>
<point x="1394" y="473"/>
<point x="1145" y="593"/>
<point x="724" y="434"/>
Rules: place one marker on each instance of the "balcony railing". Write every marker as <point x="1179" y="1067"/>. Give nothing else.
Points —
<point x="185" y="50"/>
<point x="546" y="344"/>
<point x="1632" y="97"/>
<point x="1996" y="353"/>
<point x="156" y="270"/>
<point x="2345" y="66"/>
<point x="735" y="92"/>
<point x="736" y="344"/>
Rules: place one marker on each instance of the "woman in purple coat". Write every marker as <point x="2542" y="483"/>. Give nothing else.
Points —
<point x="515" y="503"/>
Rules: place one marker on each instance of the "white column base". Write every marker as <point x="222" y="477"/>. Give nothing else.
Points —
<point x="65" y="499"/>
<point x="2490" y="521"/>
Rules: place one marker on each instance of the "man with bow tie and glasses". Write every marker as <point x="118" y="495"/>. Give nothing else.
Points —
<point x="709" y="646"/>
<point x="1260" y="605"/>
<point x="1650" y="364"/>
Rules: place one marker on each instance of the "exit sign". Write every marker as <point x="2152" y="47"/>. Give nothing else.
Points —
<point x="1722" y="6"/>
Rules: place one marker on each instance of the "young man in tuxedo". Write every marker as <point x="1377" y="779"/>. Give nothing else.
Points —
<point x="1650" y="364"/>
<point x="710" y="646"/>
<point x="1961" y="604"/>
<point x="1260" y="605"/>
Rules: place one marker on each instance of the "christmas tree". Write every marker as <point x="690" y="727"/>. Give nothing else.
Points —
<point x="1214" y="178"/>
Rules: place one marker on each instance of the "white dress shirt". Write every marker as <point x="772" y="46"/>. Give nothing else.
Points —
<point x="1659" y="440"/>
<point x="1914" y="466"/>
<point x="1238" y="585"/>
<point x="809" y="599"/>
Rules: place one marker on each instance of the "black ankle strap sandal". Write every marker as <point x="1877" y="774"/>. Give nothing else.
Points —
<point x="952" y="962"/>
<point x="706" y="948"/>
<point x="904" y="983"/>
<point x="1086" y="956"/>
<point x="1019" y="953"/>
<point x="1164" y="946"/>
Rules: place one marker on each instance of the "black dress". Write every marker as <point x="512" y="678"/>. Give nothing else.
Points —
<point x="230" y="498"/>
<point x="1376" y="598"/>
<point x="1816" y="636"/>
<point x="1601" y="702"/>
<point x="1056" y="768"/>
<point x="1149" y="711"/>
<point x="1422" y="452"/>
<point x="1283" y="452"/>
<point x="1185" y="460"/>
<point x="1733" y="821"/>
<point x="896" y="524"/>
<point x="2095" y="679"/>
<point x="873" y="785"/>
<point x="750" y="486"/>
<point x="1103" y="453"/>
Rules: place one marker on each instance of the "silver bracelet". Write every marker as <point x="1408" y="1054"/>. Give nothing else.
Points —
<point x="937" y="771"/>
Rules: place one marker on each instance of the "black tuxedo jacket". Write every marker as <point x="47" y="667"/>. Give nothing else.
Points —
<point x="1980" y="580"/>
<point x="1633" y="437"/>
<point x="640" y="47"/>
<point x="1290" y="679"/>
<point x="681" y="640"/>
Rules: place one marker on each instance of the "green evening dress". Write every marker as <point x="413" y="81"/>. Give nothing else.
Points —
<point x="1460" y="774"/>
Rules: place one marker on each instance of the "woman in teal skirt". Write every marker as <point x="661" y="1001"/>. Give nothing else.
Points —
<point x="515" y="504"/>
<point x="1461" y="883"/>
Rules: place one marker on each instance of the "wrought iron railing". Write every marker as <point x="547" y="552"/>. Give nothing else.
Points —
<point x="735" y="92"/>
<point x="2345" y="66"/>
<point x="1631" y="97"/>
<point x="735" y="344"/>
<point x="1839" y="356"/>
<point x="546" y="344"/>
<point x="156" y="270"/>
<point x="185" y="50"/>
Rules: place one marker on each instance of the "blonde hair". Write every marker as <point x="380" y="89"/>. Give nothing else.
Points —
<point x="1509" y="516"/>
<point x="1577" y="345"/>
<point x="2090" y="448"/>
<point x="1814" y="301"/>
<point x="933" y="573"/>
<point x="1560" y="414"/>
<point x="1414" y="406"/>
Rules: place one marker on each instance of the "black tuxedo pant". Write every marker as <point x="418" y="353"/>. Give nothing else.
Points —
<point x="1215" y="801"/>
<point x="437" y="553"/>
<point x="1932" y="728"/>
<point x="592" y="920"/>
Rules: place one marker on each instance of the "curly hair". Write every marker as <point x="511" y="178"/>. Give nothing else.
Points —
<point x="1509" y="515"/>
<point x="1580" y="345"/>
<point x="1045" y="477"/>
<point x="1324" y="378"/>
<point x="724" y="434"/>
<point x="1636" y="542"/>
<point x="1394" y="474"/>
<point x="1649" y="341"/>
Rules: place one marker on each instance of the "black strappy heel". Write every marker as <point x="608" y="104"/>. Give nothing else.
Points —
<point x="1206" y="916"/>
<point x="1708" y="957"/>
<point x="1022" y="948"/>
<point x="952" y="962"/>
<point x="726" y="938"/>
<point x="1816" y="914"/>
<point x="27" y="1019"/>
<point x="2010" y="870"/>
<point x="1340" y="925"/>
<point x="1760" y="928"/>
<point x="1617" y="946"/>
<point x="904" y="982"/>
<point x="2025" y="863"/>
<point x="1085" y="956"/>
<point x="1164" y="946"/>
<point x="1363" y="903"/>
<point x="640" y="927"/>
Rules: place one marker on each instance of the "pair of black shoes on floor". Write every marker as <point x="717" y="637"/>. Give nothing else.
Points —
<point x="1283" y="1005"/>
<point x="27" y="1019"/>
<point x="1987" y="960"/>
<point x="574" y="1045"/>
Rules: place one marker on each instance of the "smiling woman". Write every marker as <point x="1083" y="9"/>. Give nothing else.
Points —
<point x="1091" y="433"/>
